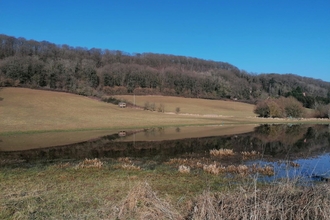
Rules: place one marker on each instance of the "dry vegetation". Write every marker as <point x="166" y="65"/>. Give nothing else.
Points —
<point x="120" y="189"/>
<point x="143" y="203"/>
<point x="194" y="105"/>
<point x="217" y="168"/>
<point x="90" y="163"/>
<point x="25" y="110"/>
<point x="61" y="191"/>
<point x="222" y="152"/>
<point x="281" y="201"/>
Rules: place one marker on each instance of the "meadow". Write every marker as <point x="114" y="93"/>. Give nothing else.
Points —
<point x="29" y="111"/>
<point x="119" y="189"/>
<point x="193" y="106"/>
<point x="26" y="110"/>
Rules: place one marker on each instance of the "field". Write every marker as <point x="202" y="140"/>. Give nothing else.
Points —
<point x="27" y="111"/>
<point x="194" y="106"/>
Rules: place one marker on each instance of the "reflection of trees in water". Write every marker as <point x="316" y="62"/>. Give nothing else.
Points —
<point x="277" y="141"/>
<point x="294" y="140"/>
<point x="284" y="133"/>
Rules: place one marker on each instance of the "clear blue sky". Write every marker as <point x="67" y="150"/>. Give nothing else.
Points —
<point x="259" y="36"/>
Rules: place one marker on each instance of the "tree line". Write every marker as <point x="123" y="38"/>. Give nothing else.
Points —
<point x="98" y="72"/>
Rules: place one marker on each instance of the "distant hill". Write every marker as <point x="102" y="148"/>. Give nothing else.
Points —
<point x="97" y="72"/>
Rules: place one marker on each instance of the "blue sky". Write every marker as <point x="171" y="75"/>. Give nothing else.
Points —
<point x="259" y="36"/>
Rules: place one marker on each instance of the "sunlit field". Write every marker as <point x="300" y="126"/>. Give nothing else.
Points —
<point x="27" y="110"/>
<point x="194" y="105"/>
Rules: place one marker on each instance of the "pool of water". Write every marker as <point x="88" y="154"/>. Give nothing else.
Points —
<point x="295" y="151"/>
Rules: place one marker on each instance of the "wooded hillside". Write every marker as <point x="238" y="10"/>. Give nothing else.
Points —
<point x="97" y="72"/>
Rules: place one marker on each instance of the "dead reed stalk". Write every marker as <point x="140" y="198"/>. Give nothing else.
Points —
<point x="282" y="201"/>
<point x="143" y="203"/>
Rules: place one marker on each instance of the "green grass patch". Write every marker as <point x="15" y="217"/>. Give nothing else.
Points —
<point x="72" y="191"/>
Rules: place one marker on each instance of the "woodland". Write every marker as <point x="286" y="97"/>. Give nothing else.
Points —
<point x="102" y="72"/>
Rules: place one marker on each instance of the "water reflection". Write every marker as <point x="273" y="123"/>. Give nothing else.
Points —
<point x="294" y="150"/>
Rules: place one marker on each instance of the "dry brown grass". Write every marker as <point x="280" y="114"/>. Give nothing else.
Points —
<point x="214" y="169"/>
<point x="130" y="167"/>
<point x="241" y="169"/>
<point x="184" y="169"/>
<point x="90" y="163"/>
<point x="191" y="162"/>
<point x="282" y="201"/>
<point x="127" y="164"/>
<point x="195" y="106"/>
<point x="246" y="155"/>
<point x="222" y="152"/>
<point x="143" y="203"/>
<point x="34" y="110"/>
<point x="217" y="168"/>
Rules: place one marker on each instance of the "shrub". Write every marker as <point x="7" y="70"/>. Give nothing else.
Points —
<point x="275" y="110"/>
<point x="282" y="107"/>
<point x="152" y="107"/>
<point x="161" y="108"/>
<point x="262" y="109"/>
<point x="110" y="100"/>
<point x="322" y="111"/>
<point x="146" y="106"/>
<point x="293" y="108"/>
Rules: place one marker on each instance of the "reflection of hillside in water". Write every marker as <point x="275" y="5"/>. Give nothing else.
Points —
<point x="273" y="141"/>
<point x="294" y="141"/>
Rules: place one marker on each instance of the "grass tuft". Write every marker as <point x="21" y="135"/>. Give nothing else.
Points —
<point x="90" y="163"/>
<point x="184" y="169"/>
<point x="130" y="167"/>
<point x="222" y="152"/>
<point x="143" y="203"/>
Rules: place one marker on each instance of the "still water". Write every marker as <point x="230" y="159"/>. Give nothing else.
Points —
<point x="293" y="150"/>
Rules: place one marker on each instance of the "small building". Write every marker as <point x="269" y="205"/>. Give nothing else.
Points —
<point x="122" y="133"/>
<point x="122" y="104"/>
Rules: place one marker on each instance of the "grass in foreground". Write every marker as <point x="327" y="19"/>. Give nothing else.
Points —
<point x="94" y="189"/>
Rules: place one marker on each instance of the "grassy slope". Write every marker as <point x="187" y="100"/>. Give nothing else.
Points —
<point x="195" y="106"/>
<point x="27" y="110"/>
<point x="34" y="110"/>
